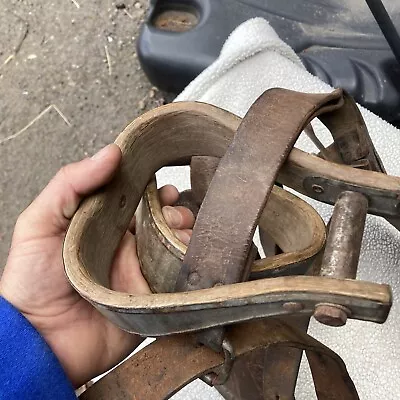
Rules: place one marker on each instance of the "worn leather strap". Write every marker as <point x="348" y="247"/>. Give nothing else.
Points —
<point x="238" y="192"/>
<point x="164" y="367"/>
<point x="352" y="142"/>
<point x="263" y="373"/>
<point x="219" y="250"/>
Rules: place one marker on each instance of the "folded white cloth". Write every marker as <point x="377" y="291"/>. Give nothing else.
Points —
<point x="252" y="60"/>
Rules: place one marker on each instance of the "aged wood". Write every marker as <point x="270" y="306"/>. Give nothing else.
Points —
<point x="175" y="133"/>
<point x="291" y="222"/>
<point x="169" y="313"/>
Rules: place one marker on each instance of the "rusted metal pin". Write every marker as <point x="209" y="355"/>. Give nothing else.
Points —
<point x="342" y="251"/>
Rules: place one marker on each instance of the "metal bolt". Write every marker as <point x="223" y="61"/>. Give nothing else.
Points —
<point x="317" y="188"/>
<point x="292" y="306"/>
<point x="331" y="314"/>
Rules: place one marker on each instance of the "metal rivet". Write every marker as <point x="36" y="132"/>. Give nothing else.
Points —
<point x="317" y="188"/>
<point x="292" y="306"/>
<point x="193" y="278"/>
<point x="122" y="201"/>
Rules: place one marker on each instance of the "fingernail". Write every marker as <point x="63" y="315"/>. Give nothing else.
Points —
<point x="172" y="217"/>
<point x="182" y="236"/>
<point x="102" y="153"/>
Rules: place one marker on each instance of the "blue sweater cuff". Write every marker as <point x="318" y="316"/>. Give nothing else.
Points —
<point x="28" y="367"/>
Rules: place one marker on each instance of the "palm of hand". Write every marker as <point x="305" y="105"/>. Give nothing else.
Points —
<point x="35" y="283"/>
<point x="83" y="340"/>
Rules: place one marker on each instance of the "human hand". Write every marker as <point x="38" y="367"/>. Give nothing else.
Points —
<point x="35" y="283"/>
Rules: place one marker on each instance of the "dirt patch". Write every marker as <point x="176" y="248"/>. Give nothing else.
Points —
<point x="70" y="81"/>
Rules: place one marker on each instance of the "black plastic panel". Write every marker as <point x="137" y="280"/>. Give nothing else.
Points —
<point x="338" y="40"/>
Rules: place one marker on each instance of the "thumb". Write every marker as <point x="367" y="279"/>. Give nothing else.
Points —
<point x="50" y="212"/>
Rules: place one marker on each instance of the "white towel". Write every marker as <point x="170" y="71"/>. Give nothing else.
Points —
<point x="252" y="60"/>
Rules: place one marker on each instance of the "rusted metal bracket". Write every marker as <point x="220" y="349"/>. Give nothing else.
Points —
<point x="385" y="203"/>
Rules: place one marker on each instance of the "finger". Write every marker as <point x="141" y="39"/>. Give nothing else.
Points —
<point x="50" y="212"/>
<point x="126" y="275"/>
<point x="178" y="217"/>
<point x="183" y="235"/>
<point x="168" y="195"/>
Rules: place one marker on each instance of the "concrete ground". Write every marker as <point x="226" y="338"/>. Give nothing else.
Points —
<point x="70" y="81"/>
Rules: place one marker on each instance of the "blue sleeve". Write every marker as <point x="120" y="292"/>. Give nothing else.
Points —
<point x="29" y="370"/>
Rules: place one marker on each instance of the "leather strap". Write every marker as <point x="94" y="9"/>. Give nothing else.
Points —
<point x="238" y="192"/>
<point x="351" y="138"/>
<point x="219" y="250"/>
<point x="168" y="364"/>
<point x="266" y="373"/>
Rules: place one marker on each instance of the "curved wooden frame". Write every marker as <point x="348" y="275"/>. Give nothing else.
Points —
<point x="291" y="222"/>
<point x="188" y="129"/>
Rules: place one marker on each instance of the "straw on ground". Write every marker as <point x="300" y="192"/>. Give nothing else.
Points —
<point x="40" y="115"/>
